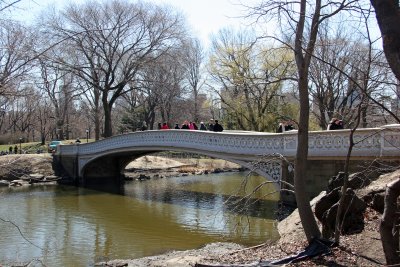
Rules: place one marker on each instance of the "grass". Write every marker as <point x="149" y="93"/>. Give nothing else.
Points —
<point x="33" y="147"/>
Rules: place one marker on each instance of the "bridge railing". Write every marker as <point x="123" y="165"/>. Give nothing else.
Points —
<point x="370" y="142"/>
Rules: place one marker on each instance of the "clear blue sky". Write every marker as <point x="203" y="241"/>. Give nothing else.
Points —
<point x="204" y="16"/>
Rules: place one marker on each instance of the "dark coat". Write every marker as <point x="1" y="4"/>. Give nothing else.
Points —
<point x="218" y="127"/>
<point x="334" y="126"/>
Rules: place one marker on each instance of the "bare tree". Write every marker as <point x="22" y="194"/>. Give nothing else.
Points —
<point x="249" y="79"/>
<point x="110" y="42"/>
<point x="58" y="87"/>
<point x="5" y="4"/>
<point x="162" y="84"/>
<point x="342" y="69"/>
<point x="16" y="54"/>
<point x="193" y="60"/>
<point x="388" y="17"/>
<point x="302" y="21"/>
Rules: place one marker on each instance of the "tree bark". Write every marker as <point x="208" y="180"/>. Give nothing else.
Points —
<point x="308" y="221"/>
<point x="107" y="116"/>
<point x="388" y="17"/>
<point x="388" y="227"/>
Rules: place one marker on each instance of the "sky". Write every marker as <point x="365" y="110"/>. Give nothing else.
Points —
<point x="205" y="17"/>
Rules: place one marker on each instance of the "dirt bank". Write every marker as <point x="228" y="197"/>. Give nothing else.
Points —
<point x="148" y="167"/>
<point x="15" y="166"/>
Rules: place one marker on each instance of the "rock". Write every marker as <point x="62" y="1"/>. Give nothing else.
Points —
<point x="375" y="200"/>
<point x="217" y="170"/>
<point x="143" y="177"/>
<point x="4" y="183"/>
<point x="353" y="219"/>
<point x="291" y="228"/>
<point x="378" y="202"/>
<point x="356" y="180"/>
<point x="51" y="178"/>
<point x="36" y="176"/>
<point x="18" y="183"/>
<point x="25" y="177"/>
<point x="325" y="203"/>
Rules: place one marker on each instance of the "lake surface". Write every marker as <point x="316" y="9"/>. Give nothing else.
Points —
<point x="61" y="225"/>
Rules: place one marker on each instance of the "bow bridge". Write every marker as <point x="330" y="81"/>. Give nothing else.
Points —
<point x="265" y="153"/>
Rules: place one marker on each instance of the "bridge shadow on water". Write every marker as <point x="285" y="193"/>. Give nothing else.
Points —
<point x="259" y="208"/>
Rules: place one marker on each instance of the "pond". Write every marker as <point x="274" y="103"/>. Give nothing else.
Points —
<point x="60" y="225"/>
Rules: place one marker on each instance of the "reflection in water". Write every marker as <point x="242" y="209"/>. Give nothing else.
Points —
<point x="78" y="226"/>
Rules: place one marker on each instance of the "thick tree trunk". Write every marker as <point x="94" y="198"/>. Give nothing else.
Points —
<point x="389" y="224"/>
<point x="107" y="118"/>
<point x="388" y="17"/>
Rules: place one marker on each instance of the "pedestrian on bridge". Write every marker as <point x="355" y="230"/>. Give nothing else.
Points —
<point x="185" y="125"/>
<point x="144" y="126"/>
<point x="202" y="126"/>
<point x="335" y="124"/>
<point x="164" y="126"/>
<point x="218" y="127"/>
<point x="284" y="126"/>
<point x="193" y="126"/>
<point x="211" y="125"/>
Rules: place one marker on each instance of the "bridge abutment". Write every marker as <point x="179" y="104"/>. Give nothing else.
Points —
<point x="319" y="172"/>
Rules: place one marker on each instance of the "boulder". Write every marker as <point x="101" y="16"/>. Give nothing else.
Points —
<point x="18" y="183"/>
<point x="4" y="183"/>
<point x="375" y="199"/>
<point x="353" y="217"/>
<point x="36" y="176"/>
<point x="356" y="180"/>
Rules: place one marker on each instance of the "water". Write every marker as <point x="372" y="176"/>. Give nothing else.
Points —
<point x="69" y="226"/>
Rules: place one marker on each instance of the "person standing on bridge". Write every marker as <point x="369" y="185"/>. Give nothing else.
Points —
<point x="202" y="126"/>
<point x="144" y="126"/>
<point x="193" y="126"/>
<point x="211" y="125"/>
<point x="335" y="124"/>
<point x="185" y="125"/>
<point x="164" y="126"/>
<point x="218" y="127"/>
<point x="284" y="126"/>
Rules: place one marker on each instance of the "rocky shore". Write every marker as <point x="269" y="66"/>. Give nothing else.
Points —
<point x="26" y="169"/>
<point x="149" y="167"/>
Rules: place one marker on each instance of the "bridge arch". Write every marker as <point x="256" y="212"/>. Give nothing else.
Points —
<point x="112" y="163"/>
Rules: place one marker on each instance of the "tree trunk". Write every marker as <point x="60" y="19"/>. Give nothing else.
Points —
<point x="107" y="117"/>
<point x="97" y="125"/>
<point x="390" y="219"/>
<point x="300" y="172"/>
<point x="308" y="220"/>
<point x="388" y="17"/>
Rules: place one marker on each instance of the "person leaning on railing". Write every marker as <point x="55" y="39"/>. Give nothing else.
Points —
<point x="335" y="124"/>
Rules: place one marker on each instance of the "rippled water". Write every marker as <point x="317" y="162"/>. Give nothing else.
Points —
<point x="69" y="226"/>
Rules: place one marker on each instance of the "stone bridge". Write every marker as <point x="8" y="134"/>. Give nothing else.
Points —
<point x="268" y="154"/>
